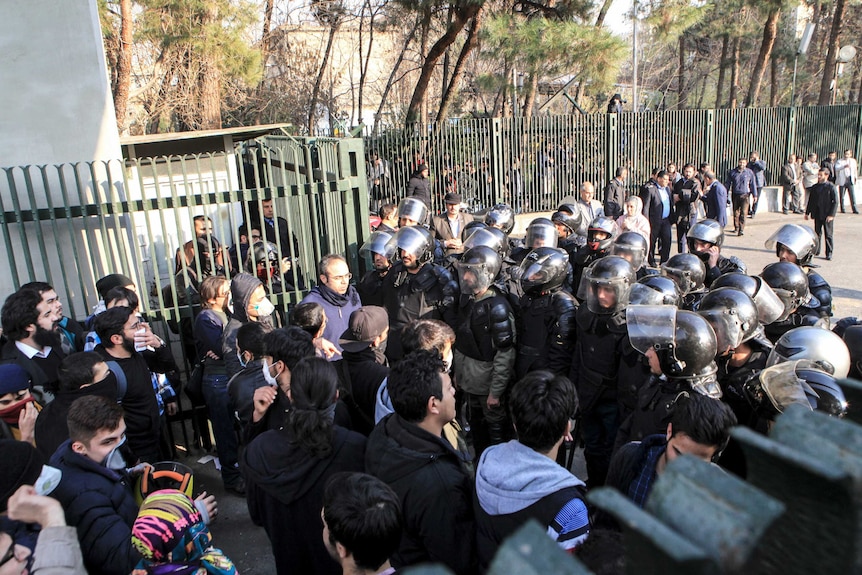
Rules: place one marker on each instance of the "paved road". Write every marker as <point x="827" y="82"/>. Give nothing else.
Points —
<point x="247" y="544"/>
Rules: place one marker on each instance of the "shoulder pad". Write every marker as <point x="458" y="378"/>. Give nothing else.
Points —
<point x="564" y="302"/>
<point x="501" y="323"/>
<point x="815" y="280"/>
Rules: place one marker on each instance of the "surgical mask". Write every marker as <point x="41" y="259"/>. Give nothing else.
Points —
<point x="447" y="360"/>
<point x="48" y="480"/>
<point x="115" y="459"/>
<point x="264" y="308"/>
<point x="242" y="361"/>
<point x="270" y="380"/>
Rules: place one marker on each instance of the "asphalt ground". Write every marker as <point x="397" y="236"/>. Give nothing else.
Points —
<point x="248" y="545"/>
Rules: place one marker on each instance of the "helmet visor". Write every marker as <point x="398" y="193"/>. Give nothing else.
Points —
<point x="378" y="243"/>
<point x="729" y="333"/>
<point x="795" y="238"/>
<point x="482" y="237"/>
<point x="607" y="296"/>
<point x="642" y="294"/>
<point x="651" y="326"/>
<point x="474" y="278"/>
<point x="769" y="306"/>
<point x="635" y="255"/>
<point x="783" y="387"/>
<point x="541" y="236"/>
<point x="410" y="240"/>
<point x="682" y="277"/>
<point x="413" y="209"/>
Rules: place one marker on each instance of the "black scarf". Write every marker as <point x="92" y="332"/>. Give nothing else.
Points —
<point x="332" y="297"/>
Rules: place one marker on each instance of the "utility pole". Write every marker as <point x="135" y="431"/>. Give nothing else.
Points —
<point x="635" y="55"/>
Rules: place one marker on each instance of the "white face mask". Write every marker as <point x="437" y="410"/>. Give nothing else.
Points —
<point x="447" y="360"/>
<point x="115" y="459"/>
<point x="242" y="361"/>
<point x="264" y="308"/>
<point x="48" y="480"/>
<point x="270" y="379"/>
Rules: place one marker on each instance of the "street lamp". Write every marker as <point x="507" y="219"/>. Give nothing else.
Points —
<point x="845" y="54"/>
<point x="803" y="49"/>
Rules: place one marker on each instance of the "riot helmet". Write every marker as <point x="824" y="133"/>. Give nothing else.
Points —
<point x="571" y="222"/>
<point x="799" y="239"/>
<point x="790" y="284"/>
<point x="543" y="269"/>
<point x="798" y="382"/>
<point x="824" y="348"/>
<point x="501" y="217"/>
<point x="262" y="261"/>
<point x="541" y="233"/>
<point x="412" y="209"/>
<point x="632" y="246"/>
<point x="490" y="237"/>
<point x="378" y="245"/>
<point x="683" y="341"/>
<point x="708" y="231"/>
<point x="477" y="269"/>
<point x="732" y="315"/>
<point x="601" y="234"/>
<point x="687" y="270"/>
<point x="655" y="290"/>
<point x="609" y="281"/>
<point x="473" y="227"/>
<point x="416" y="241"/>
<point x="853" y="339"/>
<point x="769" y="306"/>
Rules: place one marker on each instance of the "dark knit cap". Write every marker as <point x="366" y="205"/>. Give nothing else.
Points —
<point x="109" y="282"/>
<point x="22" y="465"/>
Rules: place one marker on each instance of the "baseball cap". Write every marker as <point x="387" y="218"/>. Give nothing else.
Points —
<point x="365" y="324"/>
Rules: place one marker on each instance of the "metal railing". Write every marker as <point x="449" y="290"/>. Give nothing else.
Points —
<point x="534" y="164"/>
<point x="71" y="224"/>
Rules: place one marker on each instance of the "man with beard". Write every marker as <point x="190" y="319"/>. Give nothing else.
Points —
<point x="30" y="324"/>
<point x="122" y="333"/>
<point x="70" y="331"/>
<point x="686" y="193"/>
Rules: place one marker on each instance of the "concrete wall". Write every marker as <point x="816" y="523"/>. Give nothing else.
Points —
<point x="56" y="103"/>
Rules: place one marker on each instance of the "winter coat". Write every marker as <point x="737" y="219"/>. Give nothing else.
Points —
<point x="57" y="553"/>
<point x="338" y="309"/>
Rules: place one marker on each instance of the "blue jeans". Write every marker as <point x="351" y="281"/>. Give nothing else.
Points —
<point x="218" y="404"/>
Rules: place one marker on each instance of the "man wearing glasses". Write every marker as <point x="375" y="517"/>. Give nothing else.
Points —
<point x="334" y="293"/>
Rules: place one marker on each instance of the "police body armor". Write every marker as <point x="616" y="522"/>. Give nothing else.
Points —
<point x="598" y="355"/>
<point x="546" y="324"/>
<point x="484" y="326"/>
<point x="822" y="292"/>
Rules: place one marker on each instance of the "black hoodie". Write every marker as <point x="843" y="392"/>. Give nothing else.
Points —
<point x="241" y="288"/>
<point x="285" y="494"/>
<point x="436" y="494"/>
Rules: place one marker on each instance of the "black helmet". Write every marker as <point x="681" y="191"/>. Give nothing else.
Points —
<point x="612" y="272"/>
<point x="799" y="239"/>
<point x="769" y="306"/>
<point x="501" y="217"/>
<point x="477" y="269"/>
<point x="413" y="209"/>
<point x="415" y="240"/>
<point x="798" y="382"/>
<point x="543" y="269"/>
<point x="790" y="284"/>
<point x="572" y="222"/>
<point x="687" y="270"/>
<point x="490" y="237"/>
<point x="631" y="246"/>
<point x="683" y="340"/>
<point x="473" y="227"/>
<point x="601" y="225"/>
<point x="824" y="348"/>
<point x="852" y="337"/>
<point x="266" y="254"/>
<point x="655" y="290"/>
<point x="732" y="315"/>
<point x="378" y="243"/>
<point x="541" y="233"/>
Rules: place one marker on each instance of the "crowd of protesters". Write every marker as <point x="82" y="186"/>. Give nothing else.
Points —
<point x="425" y="411"/>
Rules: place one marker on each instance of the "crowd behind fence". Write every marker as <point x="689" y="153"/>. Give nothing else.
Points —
<point x="532" y="164"/>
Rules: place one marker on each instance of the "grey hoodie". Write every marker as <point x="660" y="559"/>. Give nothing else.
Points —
<point x="511" y="477"/>
<point x="241" y="288"/>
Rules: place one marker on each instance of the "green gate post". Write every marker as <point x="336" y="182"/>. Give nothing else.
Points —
<point x="497" y="158"/>
<point x="791" y="133"/>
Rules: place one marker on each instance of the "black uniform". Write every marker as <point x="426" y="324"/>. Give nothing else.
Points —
<point x="546" y="328"/>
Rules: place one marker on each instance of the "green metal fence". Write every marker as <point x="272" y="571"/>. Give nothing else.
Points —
<point x="72" y="224"/>
<point x="533" y="164"/>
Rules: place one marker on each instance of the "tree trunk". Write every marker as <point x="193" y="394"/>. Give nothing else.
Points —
<point x="315" y="92"/>
<point x="722" y="66"/>
<point x="444" y="83"/>
<point x="210" y="96"/>
<point x="530" y="97"/>
<point x="423" y="52"/>
<point x="124" y="65"/>
<point x="266" y="37"/>
<point x="603" y="11"/>
<point x="680" y="82"/>
<point x="770" y="31"/>
<point x="452" y="89"/>
<point x="391" y="80"/>
<point x="832" y="54"/>
<point x="462" y="16"/>
<point x="773" y="82"/>
<point x="734" y="75"/>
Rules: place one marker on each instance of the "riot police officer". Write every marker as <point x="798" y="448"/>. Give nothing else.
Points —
<point x="605" y="368"/>
<point x="484" y="346"/>
<point x="381" y="252"/>
<point x="689" y="272"/>
<point x="545" y="313"/>
<point x="790" y="284"/>
<point x="633" y="247"/>
<point x="600" y="237"/>
<point x="415" y="287"/>
<point x="798" y="244"/>
<point x="704" y="240"/>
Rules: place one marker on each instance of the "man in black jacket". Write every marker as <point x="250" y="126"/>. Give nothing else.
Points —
<point x="407" y="451"/>
<point x="122" y="333"/>
<point x="30" y="324"/>
<point x="822" y="206"/>
<point x="419" y="186"/>
<point x="615" y="194"/>
<point x="658" y="208"/>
